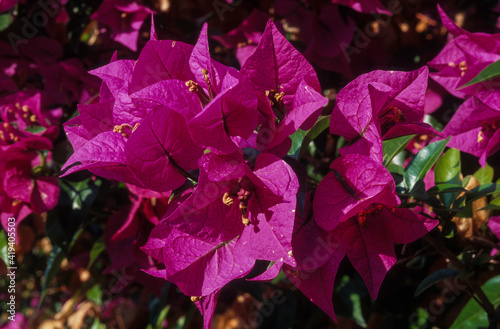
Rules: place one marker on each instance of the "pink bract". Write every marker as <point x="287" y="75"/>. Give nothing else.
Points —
<point x="356" y="182"/>
<point x="463" y="58"/>
<point x="380" y="105"/>
<point x="475" y="126"/>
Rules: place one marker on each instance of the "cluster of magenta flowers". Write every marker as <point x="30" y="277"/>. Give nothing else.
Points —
<point x="36" y="81"/>
<point x="209" y="143"/>
<point x="35" y="85"/>
<point x="475" y="125"/>
<point x="25" y="156"/>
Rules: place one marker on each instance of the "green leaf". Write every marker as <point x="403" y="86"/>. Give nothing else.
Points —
<point x="472" y="315"/>
<point x="467" y="254"/>
<point x="447" y="171"/>
<point x="493" y="205"/>
<point x="98" y="325"/>
<point x="81" y="193"/>
<point x="397" y="172"/>
<point x="393" y="146"/>
<point x="465" y="212"/>
<point x="357" y="311"/>
<point x="98" y="247"/>
<point x="489" y="72"/>
<point x="446" y="188"/>
<point x="77" y="113"/>
<point x="466" y="180"/>
<point x="321" y="125"/>
<point x="484" y="175"/>
<point x="75" y="200"/>
<point x="35" y="129"/>
<point x="433" y="122"/>
<point x="5" y="21"/>
<point x="482" y="190"/>
<point x="423" y="162"/>
<point x="418" y="191"/>
<point x="450" y="230"/>
<point x="281" y="276"/>
<point x="4" y="250"/>
<point x="54" y="261"/>
<point x="396" y="169"/>
<point x="496" y="194"/>
<point x="341" y="142"/>
<point x="270" y="264"/>
<point x="94" y="294"/>
<point x="351" y="299"/>
<point x="75" y="237"/>
<point x="161" y="317"/>
<point x="297" y="138"/>
<point x="400" y="158"/>
<point x="416" y="263"/>
<point x="434" y="278"/>
<point x="422" y="319"/>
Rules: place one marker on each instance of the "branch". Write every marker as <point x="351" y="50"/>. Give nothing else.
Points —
<point x="483" y="301"/>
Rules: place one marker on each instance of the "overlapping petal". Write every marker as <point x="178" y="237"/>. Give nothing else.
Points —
<point x="374" y="106"/>
<point x="355" y="182"/>
<point x="160" y="151"/>
<point x="475" y="126"/>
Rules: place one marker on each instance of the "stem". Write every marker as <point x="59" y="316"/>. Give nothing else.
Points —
<point x="185" y="173"/>
<point x="483" y="301"/>
<point x="493" y="316"/>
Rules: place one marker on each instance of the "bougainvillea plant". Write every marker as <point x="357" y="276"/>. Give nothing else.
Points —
<point x="228" y="167"/>
<point x="243" y="200"/>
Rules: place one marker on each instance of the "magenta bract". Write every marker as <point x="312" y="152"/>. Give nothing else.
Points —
<point x="475" y="126"/>
<point x="356" y="204"/>
<point x="374" y="106"/>
<point x="160" y="151"/>
<point x="228" y="224"/>
<point x="356" y="182"/>
<point x="287" y="88"/>
<point x="463" y="58"/>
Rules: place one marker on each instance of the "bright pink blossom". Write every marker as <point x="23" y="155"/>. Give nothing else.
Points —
<point x="475" y="126"/>
<point x="234" y="217"/>
<point x="380" y="105"/>
<point x="26" y="183"/>
<point x="287" y="88"/>
<point x="463" y="58"/>
<point x="125" y="18"/>
<point x="356" y="204"/>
